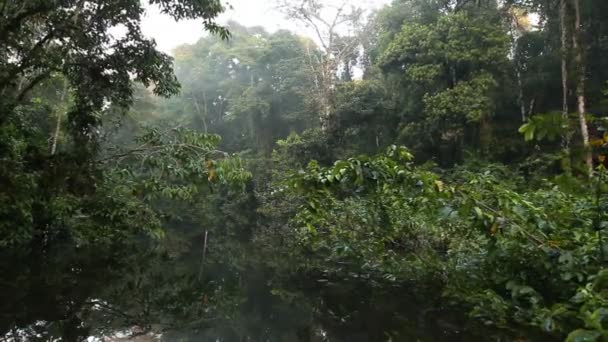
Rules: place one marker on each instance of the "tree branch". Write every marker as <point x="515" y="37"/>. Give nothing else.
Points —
<point x="32" y="84"/>
<point x="15" y="22"/>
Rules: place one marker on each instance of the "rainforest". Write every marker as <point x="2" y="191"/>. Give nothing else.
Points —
<point x="405" y="170"/>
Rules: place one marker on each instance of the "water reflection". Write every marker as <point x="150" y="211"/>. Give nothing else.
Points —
<point x="146" y="293"/>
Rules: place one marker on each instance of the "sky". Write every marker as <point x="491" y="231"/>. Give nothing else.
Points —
<point x="169" y="34"/>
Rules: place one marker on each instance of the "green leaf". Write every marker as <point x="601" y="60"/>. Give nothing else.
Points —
<point x="524" y="128"/>
<point x="478" y="212"/>
<point x="529" y="135"/>
<point x="582" y="335"/>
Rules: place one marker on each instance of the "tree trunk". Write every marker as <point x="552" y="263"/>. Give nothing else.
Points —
<point x="580" y="86"/>
<point x="205" y="110"/>
<point x="200" y="271"/>
<point x="327" y="119"/>
<point x="202" y="116"/>
<point x="522" y="104"/>
<point x="58" y="122"/>
<point x="564" y="63"/>
<point x="531" y="107"/>
<point x="485" y="134"/>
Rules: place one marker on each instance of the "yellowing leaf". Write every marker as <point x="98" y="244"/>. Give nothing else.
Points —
<point x="211" y="176"/>
<point x="597" y="142"/>
<point x="494" y="229"/>
<point x="439" y="185"/>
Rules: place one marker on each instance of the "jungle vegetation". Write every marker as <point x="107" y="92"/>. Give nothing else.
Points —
<point x="434" y="170"/>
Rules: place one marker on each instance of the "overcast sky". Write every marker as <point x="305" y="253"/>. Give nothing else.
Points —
<point x="170" y="34"/>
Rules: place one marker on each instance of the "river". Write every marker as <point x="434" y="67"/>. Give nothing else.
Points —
<point x="69" y="293"/>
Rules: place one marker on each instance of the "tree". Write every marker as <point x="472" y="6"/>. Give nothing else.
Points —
<point x="520" y="26"/>
<point x="577" y="44"/>
<point x="270" y="199"/>
<point x="63" y="76"/>
<point x="97" y="70"/>
<point x="563" y="8"/>
<point x="457" y="73"/>
<point x="566" y="20"/>
<point x="252" y="90"/>
<point x="336" y="27"/>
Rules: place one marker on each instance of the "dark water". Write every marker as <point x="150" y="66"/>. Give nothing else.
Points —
<point x="69" y="293"/>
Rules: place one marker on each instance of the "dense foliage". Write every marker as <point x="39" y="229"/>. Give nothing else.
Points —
<point x="437" y="171"/>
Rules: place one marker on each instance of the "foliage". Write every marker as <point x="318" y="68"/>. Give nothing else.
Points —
<point x="455" y="63"/>
<point x="539" y="127"/>
<point x="514" y="258"/>
<point x="252" y="90"/>
<point x="271" y="200"/>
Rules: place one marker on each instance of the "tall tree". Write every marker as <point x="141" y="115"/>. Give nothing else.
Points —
<point x="70" y="46"/>
<point x="254" y="89"/>
<point x="456" y="79"/>
<point x="577" y="43"/>
<point x="563" y="10"/>
<point x="336" y="26"/>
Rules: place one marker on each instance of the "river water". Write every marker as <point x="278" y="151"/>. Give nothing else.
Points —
<point x="147" y="294"/>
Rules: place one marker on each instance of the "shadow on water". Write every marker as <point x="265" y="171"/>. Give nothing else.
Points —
<point x="73" y="293"/>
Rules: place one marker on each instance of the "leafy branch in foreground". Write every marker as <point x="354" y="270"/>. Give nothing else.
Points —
<point x="514" y="257"/>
